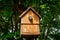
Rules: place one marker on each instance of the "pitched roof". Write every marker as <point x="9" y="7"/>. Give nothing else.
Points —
<point x="29" y="8"/>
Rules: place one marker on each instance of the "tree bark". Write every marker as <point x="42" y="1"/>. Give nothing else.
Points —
<point x="17" y="9"/>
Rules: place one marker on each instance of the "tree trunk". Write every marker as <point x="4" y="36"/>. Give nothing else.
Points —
<point x="17" y="9"/>
<point x="29" y="38"/>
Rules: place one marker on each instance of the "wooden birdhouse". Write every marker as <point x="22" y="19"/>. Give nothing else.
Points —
<point x="29" y="22"/>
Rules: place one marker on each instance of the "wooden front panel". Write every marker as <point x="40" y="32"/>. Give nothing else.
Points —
<point x="29" y="29"/>
<point x="25" y="18"/>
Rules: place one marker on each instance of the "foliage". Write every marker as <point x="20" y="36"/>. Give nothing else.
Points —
<point x="49" y="22"/>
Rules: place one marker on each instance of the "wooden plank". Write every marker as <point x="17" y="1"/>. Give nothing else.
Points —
<point x="29" y="24"/>
<point x="25" y="19"/>
<point x="29" y="29"/>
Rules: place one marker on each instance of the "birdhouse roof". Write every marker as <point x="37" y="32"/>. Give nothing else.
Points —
<point x="29" y="8"/>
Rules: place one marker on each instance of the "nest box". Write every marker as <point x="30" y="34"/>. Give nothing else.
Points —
<point x="29" y="22"/>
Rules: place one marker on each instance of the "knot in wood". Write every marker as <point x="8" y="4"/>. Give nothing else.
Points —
<point x="30" y="18"/>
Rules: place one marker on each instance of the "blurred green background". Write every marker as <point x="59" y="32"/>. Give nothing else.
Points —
<point x="49" y="22"/>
